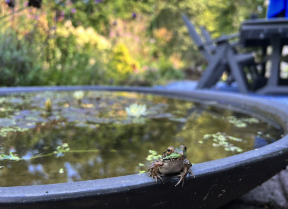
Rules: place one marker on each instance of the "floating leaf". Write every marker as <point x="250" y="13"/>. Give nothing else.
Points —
<point x="138" y="120"/>
<point x="6" y="122"/>
<point x="162" y="115"/>
<point x="9" y="157"/>
<point x="181" y="120"/>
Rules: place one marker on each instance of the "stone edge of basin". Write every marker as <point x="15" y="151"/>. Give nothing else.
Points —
<point x="62" y="191"/>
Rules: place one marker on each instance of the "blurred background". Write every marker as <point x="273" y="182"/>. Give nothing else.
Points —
<point x="110" y="42"/>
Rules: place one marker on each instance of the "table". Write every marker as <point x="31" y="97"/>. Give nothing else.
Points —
<point x="265" y="32"/>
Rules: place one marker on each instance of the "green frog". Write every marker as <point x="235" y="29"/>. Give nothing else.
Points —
<point x="173" y="161"/>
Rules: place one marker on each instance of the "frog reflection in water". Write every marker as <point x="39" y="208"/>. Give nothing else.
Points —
<point x="173" y="161"/>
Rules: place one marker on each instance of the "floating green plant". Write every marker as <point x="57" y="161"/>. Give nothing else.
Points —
<point x="6" y="130"/>
<point x="153" y="156"/>
<point x="9" y="157"/>
<point x="61" y="149"/>
<point x="136" y="110"/>
<point x="241" y="122"/>
<point x="221" y="139"/>
<point x="141" y="165"/>
<point x="150" y="158"/>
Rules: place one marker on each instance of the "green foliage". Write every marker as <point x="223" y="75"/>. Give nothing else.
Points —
<point x="218" y="16"/>
<point x="98" y="14"/>
<point x="110" y="42"/>
<point x="18" y="66"/>
<point x="168" y="72"/>
<point x="241" y="122"/>
<point x="236" y="11"/>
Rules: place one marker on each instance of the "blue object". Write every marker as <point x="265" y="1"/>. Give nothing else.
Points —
<point x="259" y="142"/>
<point x="277" y="8"/>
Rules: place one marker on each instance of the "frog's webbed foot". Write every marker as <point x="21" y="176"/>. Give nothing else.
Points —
<point x="154" y="171"/>
<point x="191" y="173"/>
<point x="156" y="178"/>
<point x="186" y="169"/>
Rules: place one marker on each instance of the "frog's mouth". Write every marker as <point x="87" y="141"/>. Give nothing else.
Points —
<point x="174" y="159"/>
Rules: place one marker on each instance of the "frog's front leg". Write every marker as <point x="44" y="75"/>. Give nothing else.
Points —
<point x="154" y="170"/>
<point x="186" y="169"/>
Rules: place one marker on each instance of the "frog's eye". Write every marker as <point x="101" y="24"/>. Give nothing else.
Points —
<point x="170" y="149"/>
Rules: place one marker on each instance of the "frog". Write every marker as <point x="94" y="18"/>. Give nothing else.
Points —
<point x="172" y="161"/>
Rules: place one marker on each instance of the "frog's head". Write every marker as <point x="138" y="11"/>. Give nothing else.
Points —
<point x="170" y="150"/>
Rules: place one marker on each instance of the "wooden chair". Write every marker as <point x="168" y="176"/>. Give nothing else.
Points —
<point x="221" y="56"/>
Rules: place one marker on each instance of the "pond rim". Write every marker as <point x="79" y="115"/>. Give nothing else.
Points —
<point x="65" y="191"/>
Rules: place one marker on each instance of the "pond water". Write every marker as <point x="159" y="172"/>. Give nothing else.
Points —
<point x="93" y="134"/>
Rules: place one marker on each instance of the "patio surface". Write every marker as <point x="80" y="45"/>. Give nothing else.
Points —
<point x="271" y="194"/>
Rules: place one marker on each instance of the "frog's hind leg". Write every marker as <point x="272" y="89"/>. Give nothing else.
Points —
<point x="186" y="169"/>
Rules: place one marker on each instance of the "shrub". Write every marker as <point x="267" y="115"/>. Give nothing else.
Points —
<point x="121" y="64"/>
<point x="18" y="62"/>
